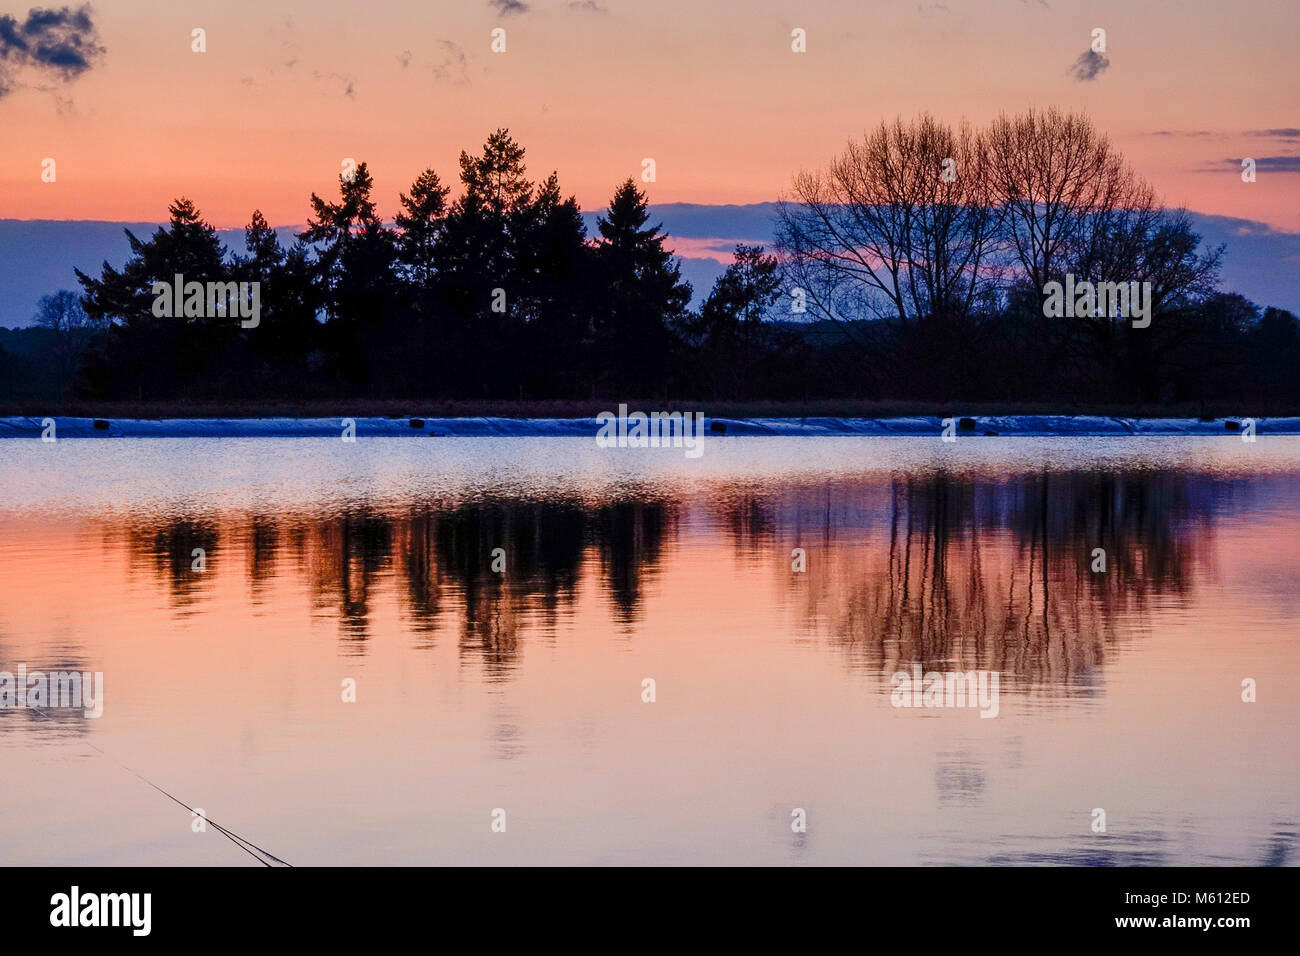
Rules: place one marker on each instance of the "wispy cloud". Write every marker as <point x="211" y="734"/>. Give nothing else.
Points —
<point x="451" y="65"/>
<point x="345" y="82"/>
<point x="62" y="42"/>
<point x="1089" y="66"/>
<point x="508" y="8"/>
<point x="288" y="58"/>
<point x="587" y="6"/>
<point x="1192" y="133"/>
<point x="289" y="46"/>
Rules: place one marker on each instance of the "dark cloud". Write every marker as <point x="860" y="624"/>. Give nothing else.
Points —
<point x="1272" y="164"/>
<point x="1089" y="66"/>
<point x="508" y="7"/>
<point x="61" y="42"/>
<point x="1282" y="133"/>
<point x="587" y="6"/>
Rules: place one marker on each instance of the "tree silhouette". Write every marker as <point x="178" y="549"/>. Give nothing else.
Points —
<point x="475" y="257"/>
<point x="919" y="252"/>
<point x="73" y="330"/>
<point x="289" y="303"/>
<point x="644" y="299"/>
<point x="355" y="264"/>
<point x="419" y="225"/>
<point x="552" y="265"/>
<point x="734" y="327"/>
<point x="162" y="356"/>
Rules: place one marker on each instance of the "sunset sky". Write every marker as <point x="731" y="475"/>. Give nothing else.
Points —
<point x="713" y="93"/>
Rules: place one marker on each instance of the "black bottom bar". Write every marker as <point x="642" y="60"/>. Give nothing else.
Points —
<point x="331" y="905"/>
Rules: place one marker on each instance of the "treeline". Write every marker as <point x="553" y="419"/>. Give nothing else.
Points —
<point x="498" y="293"/>
<point x="911" y="268"/>
<point x="933" y="247"/>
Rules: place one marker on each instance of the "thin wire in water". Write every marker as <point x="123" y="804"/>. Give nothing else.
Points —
<point x="265" y="857"/>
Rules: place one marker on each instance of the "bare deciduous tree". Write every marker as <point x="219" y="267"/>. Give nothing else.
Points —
<point x="63" y="314"/>
<point x="898" y="228"/>
<point x="1057" y="179"/>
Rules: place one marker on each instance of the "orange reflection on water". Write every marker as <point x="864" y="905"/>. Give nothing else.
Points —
<point x="522" y="689"/>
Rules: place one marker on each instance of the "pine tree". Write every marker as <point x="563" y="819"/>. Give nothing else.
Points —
<point x="497" y="178"/>
<point x="644" y="297"/>
<point x="288" y="330"/>
<point x="420" y="225"/>
<point x="356" y="257"/>
<point x="553" y="265"/>
<point x="187" y="245"/>
<point x="475" y="253"/>
<point x="354" y="252"/>
<point x="732" y="328"/>
<point x="154" y="355"/>
<point x="476" y="256"/>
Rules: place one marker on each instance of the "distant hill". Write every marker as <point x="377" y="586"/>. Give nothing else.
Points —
<point x="38" y="256"/>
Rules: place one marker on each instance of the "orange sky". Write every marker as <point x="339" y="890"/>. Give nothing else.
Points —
<point x="286" y="91"/>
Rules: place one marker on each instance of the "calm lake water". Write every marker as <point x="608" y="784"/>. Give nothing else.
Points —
<point x="523" y="690"/>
